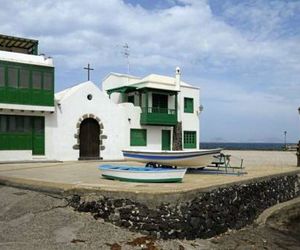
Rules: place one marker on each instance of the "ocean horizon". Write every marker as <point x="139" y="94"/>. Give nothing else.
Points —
<point x="245" y="145"/>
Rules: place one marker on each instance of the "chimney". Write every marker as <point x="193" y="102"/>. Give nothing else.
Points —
<point x="177" y="88"/>
<point x="177" y="78"/>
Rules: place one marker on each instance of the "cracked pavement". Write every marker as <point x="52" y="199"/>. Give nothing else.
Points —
<point x="32" y="220"/>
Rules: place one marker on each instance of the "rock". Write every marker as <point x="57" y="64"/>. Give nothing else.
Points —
<point x="149" y="227"/>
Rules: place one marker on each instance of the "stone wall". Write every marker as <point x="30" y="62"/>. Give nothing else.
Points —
<point x="177" y="136"/>
<point x="206" y="215"/>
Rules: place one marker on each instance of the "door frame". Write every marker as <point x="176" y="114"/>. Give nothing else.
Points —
<point x="163" y="133"/>
<point x="96" y="157"/>
<point x="38" y="137"/>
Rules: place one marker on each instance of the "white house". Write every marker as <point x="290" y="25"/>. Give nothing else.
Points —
<point x="84" y="122"/>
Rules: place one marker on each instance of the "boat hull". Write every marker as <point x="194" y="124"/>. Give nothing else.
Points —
<point x="187" y="159"/>
<point x="135" y="174"/>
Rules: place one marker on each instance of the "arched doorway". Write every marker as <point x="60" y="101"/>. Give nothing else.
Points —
<point x="89" y="139"/>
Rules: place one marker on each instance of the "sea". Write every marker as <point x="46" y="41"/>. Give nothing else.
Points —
<point x="244" y="146"/>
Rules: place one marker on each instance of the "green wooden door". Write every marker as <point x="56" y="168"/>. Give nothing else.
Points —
<point x="38" y="136"/>
<point x="166" y="140"/>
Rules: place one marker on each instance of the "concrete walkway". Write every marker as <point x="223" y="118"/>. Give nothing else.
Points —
<point x="83" y="176"/>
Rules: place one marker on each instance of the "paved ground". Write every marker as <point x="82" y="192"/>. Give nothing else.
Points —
<point x="32" y="220"/>
<point x="86" y="176"/>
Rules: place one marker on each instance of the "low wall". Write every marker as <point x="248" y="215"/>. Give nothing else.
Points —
<point x="206" y="215"/>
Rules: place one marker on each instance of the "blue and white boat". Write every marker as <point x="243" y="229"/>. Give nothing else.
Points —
<point x="186" y="159"/>
<point x="141" y="174"/>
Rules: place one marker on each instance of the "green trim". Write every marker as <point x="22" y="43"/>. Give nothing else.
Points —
<point x="21" y="94"/>
<point x="156" y="116"/>
<point x="157" y="91"/>
<point x="170" y="180"/>
<point x="22" y="133"/>
<point x="190" y="139"/>
<point x="123" y="89"/>
<point x="188" y="105"/>
<point x="138" y="137"/>
<point x="38" y="136"/>
<point x="166" y="140"/>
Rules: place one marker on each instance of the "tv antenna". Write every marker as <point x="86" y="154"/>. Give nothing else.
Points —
<point x="126" y="54"/>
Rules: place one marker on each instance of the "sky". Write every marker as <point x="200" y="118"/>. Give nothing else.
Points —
<point x="244" y="55"/>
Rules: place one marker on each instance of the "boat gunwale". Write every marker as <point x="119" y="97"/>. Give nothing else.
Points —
<point x="166" y="180"/>
<point x="149" y="170"/>
<point x="169" y="152"/>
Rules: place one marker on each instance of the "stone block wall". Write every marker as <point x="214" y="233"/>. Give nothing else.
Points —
<point x="177" y="137"/>
<point x="206" y="215"/>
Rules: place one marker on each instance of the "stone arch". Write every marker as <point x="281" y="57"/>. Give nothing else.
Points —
<point x="102" y="137"/>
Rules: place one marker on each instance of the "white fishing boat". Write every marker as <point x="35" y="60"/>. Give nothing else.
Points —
<point x="141" y="174"/>
<point x="187" y="159"/>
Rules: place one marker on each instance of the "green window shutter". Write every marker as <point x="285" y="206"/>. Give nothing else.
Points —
<point x="24" y="79"/>
<point x="48" y="81"/>
<point x="188" y="105"/>
<point x="16" y="132"/>
<point x="36" y="80"/>
<point x="190" y="139"/>
<point x="13" y="77"/>
<point x="26" y="84"/>
<point x="3" y="123"/>
<point x="2" y="76"/>
<point x="138" y="137"/>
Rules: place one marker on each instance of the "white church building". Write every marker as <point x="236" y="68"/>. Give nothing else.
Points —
<point x="85" y="122"/>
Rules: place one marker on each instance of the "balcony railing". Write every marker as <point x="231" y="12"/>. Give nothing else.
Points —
<point x="158" y="116"/>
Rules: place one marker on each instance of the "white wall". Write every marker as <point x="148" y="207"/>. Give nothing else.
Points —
<point x="114" y="81"/>
<point x="15" y="155"/>
<point x="69" y="112"/>
<point x="190" y="121"/>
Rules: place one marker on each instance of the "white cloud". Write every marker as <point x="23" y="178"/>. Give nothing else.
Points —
<point x="244" y="54"/>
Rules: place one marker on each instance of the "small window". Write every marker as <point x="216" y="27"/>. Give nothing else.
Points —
<point x="19" y="124"/>
<point x="2" y="76"/>
<point x="138" y="137"/>
<point x="190" y="140"/>
<point x="36" y="80"/>
<point x="3" y="123"/>
<point x="13" y="77"/>
<point x="27" y="124"/>
<point x="12" y="124"/>
<point x="24" y="79"/>
<point x="48" y="81"/>
<point x="188" y="105"/>
<point x="38" y="125"/>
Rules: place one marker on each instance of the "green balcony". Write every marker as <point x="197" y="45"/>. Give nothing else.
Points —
<point x="158" y="116"/>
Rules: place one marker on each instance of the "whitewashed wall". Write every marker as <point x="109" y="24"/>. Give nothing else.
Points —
<point x="15" y="155"/>
<point x="76" y="105"/>
<point x="190" y="121"/>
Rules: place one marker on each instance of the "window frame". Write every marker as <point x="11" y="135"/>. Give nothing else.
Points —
<point x="33" y="86"/>
<point x="136" y="143"/>
<point x="28" y="79"/>
<point x="3" y="85"/>
<point x="189" y="135"/>
<point x="16" y="85"/>
<point x="188" y="105"/>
